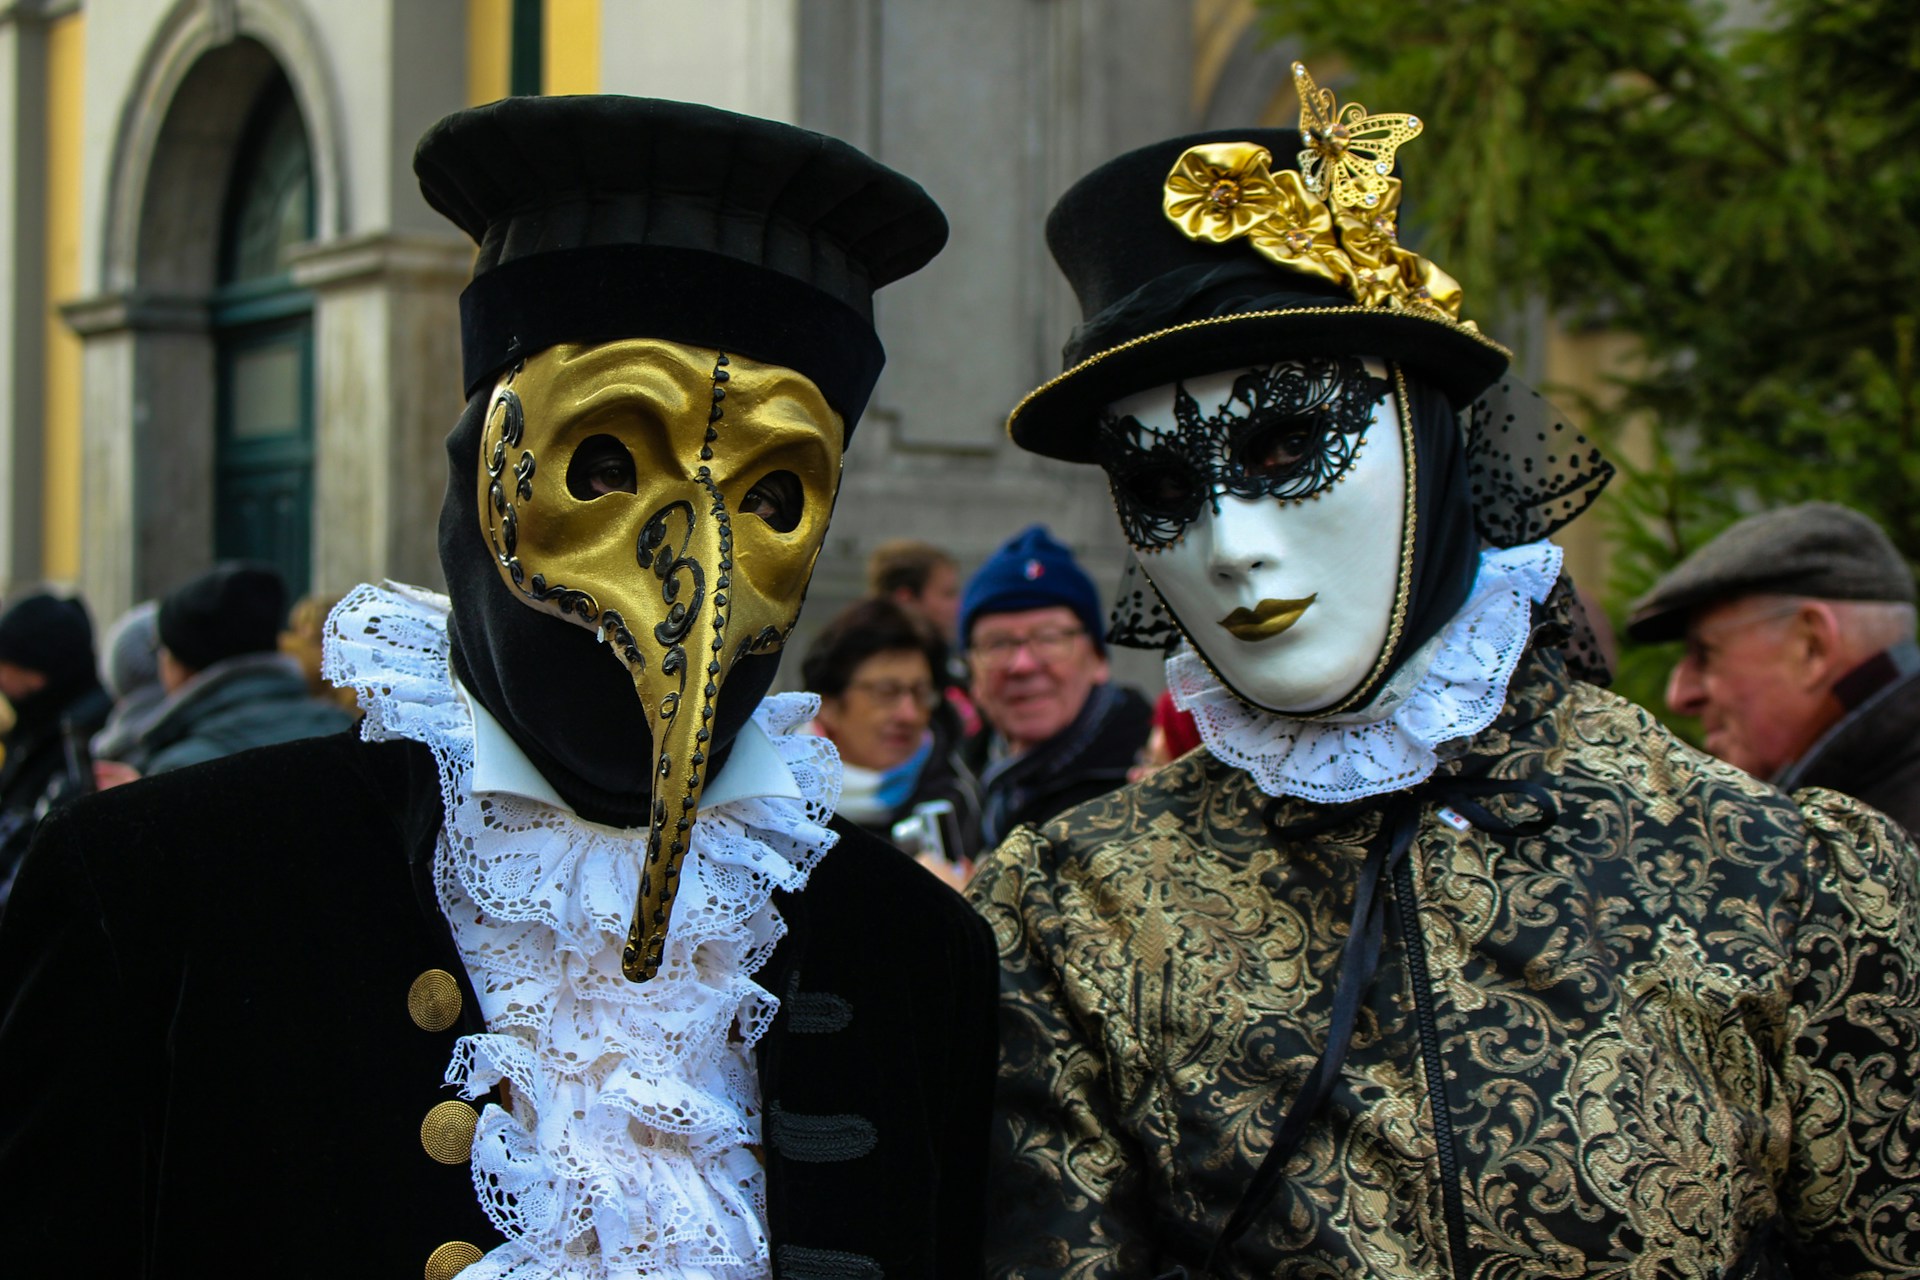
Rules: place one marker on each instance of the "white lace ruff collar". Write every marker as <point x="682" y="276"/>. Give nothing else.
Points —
<point x="634" y="1107"/>
<point x="1451" y="687"/>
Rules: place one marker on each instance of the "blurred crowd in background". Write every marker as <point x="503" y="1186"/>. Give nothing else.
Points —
<point x="219" y="665"/>
<point x="962" y="708"/>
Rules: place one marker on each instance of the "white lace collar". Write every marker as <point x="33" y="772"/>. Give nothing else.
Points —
<point x="1452" y="687"/>
<point x="635" y="1108"/>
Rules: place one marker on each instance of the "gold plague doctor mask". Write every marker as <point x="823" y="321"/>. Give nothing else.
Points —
<point x="673" y="500"/>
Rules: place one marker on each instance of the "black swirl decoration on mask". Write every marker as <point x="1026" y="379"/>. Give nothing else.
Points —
<point x="506" y="429"/>
<point x="614" y="630"/>
<point x="661" y="550"/>
<point x="1288" y="431"/>
<point x="766" y="640"/>
<point x="506" y="426"/>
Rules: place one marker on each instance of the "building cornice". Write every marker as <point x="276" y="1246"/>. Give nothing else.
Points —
<point x="23" y="12"/>
<point x="413" y="259"/>
<point x="136" y="312"/>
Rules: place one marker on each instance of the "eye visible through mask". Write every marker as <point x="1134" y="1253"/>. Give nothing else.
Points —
<point x="1287" y="431"/>
<point x="778" y="499"/>
<point x="600" y="466"/>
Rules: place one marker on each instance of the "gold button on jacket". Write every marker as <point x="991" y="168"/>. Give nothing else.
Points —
<point x="450" y="1259"/>
<point x="433" y="1001"/>
<point x="447" y="1132"/>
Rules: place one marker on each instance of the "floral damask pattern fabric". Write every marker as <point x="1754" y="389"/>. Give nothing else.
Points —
<point x="1677" y="1034"/>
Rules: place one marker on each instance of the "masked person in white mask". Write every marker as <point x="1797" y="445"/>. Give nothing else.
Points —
<point x="565" y="968"/>
<point x="1438" y="960"/>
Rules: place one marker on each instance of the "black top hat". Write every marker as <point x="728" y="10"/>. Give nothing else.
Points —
<point x="1160" y="306"/>
<point x="605" y="217"/>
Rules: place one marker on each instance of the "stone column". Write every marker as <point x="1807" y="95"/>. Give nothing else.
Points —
<point x="146" y="505"/>
<point x="387" y="390"/>
<point x="23" y="283"/>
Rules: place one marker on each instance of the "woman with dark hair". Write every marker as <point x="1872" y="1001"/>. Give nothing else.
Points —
<point x="873" y="667"/>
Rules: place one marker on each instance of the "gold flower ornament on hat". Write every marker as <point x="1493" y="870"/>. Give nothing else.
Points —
<point x="1334" y="219"/>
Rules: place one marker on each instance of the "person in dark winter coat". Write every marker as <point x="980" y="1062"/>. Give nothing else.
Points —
<point x="1058" y="734"/>
<point x="229" y="688"/>
<point x="1800" y="663"/>
<point x="873" y="667"/>
<point x="47" y="675"/>
<point x="130" y="673"/>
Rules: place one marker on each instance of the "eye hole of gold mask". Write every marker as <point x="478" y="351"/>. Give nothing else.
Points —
<point x="778" y="499"/>
<point x="600" y="466"/>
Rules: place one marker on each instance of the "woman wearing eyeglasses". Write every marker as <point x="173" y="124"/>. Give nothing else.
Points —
<point x="873" y="668"/>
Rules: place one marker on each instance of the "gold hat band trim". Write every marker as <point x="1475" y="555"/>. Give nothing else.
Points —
<point x="1237" y="317"/>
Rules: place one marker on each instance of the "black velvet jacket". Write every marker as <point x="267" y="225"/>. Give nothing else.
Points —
<point x="207" y="1063"/>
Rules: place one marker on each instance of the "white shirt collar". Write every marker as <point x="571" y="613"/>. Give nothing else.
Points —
<point x="753" y="769"/>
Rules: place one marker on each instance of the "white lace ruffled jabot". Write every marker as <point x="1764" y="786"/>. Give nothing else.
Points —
<point x="634" y="1107"/>
<point x="1451" y="687"/>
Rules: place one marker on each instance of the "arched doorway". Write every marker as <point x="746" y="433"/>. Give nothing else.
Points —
<point x="263" y="348"/>
<point x="242" y="395"/>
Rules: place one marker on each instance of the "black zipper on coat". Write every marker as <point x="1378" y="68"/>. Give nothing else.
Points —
<point x="1407" y="907"/>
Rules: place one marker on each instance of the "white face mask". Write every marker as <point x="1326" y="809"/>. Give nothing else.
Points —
<point x="1268" y="506"/>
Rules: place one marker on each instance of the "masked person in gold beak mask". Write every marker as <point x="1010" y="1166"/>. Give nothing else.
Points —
<point x="567" y="970"/>
<point x="1436" y="960"/>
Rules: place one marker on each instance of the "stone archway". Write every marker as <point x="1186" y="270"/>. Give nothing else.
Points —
<point x="148" y="366"/>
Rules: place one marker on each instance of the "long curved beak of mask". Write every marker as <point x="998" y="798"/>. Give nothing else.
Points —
<point x="700" y="625"/>
<point x="673" y="501"/>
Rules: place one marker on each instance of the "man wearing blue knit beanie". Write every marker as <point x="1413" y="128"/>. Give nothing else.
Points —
<point x="1057" y="733"/>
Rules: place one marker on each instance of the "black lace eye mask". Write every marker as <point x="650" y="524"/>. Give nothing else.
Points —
<point x="1287" y="432"/>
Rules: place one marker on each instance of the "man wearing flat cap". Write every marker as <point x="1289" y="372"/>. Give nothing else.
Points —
<point x="564" y="968"/>
<point x="1800" y="661"/>
<point x="1437" y="961"/>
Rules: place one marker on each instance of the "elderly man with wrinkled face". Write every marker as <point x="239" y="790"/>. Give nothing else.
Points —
<point x="565" y="968"/>
<point x="1800" y="662"/>
<point x="1437" y="960"/>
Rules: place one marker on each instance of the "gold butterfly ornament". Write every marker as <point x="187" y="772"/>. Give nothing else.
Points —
<point x="1335" y="219"/>
<point x="1348" y="159"/>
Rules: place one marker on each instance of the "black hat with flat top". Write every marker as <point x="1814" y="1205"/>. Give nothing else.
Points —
<point x="602" y="217"/>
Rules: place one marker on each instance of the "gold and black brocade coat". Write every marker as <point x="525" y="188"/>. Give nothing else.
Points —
<point x="1677" y="1035"/>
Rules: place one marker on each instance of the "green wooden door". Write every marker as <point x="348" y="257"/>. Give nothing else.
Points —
<point x="263" y="327"/>
<point x="263" y="506"/>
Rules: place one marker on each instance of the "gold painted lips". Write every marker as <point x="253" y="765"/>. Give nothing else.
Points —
<point x="1266" y="620"/>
